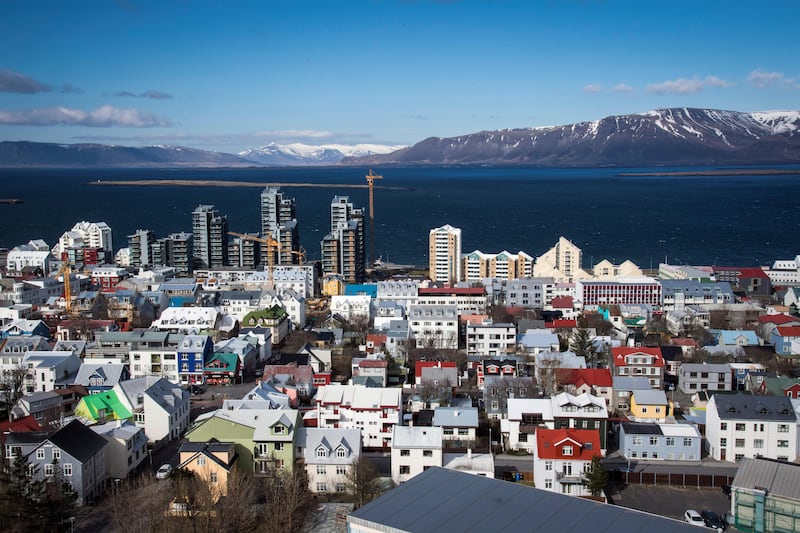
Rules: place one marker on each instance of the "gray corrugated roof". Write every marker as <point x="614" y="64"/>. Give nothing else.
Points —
<point x="779" y="478"/>
<point x="456" y="417"/>
<point x="754" y="407"/>
<point x="446" y="500"/>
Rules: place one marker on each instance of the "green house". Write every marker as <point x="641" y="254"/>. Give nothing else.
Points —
<point x="263" y="438"/>
<point x="103" y="407"/>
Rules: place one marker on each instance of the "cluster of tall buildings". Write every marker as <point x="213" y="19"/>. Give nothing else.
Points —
<point x="210" y="244"/>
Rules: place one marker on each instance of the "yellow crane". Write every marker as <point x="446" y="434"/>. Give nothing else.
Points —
<point x="272" y="247"/>
<point x="371" y="177"/>
<point x="66" y="272"/>
<point x="301" y="254"/>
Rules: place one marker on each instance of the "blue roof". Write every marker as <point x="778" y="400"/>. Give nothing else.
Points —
<point x="179" y="301"/>
<point x="370" y="289"/>
<point x="728" y="337"/>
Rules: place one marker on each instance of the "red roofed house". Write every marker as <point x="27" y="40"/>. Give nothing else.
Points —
<point x="364" y="368"/>
<point x="751" y="280"/>
<point x="782" y="339"/>
<point x="565" y="304"/>
<point x="767" y="323"/>
<point x="639" y="362"/>
<point x="594" y="381"/>
<point x="376" y="343"/>
<point x="562" y="457"/>
<point x="562" y="323"/>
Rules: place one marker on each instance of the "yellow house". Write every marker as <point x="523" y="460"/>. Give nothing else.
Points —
<point x="332" y="285"/>
<point x="649" y="406"/>
<point x="211" y="462"/>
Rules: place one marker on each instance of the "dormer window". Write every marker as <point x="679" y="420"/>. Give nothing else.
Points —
<point x="341" y="452"/>
<point x="567" y="450"/>
<point x="322" y="452"/>
<point x="279" y="429"/>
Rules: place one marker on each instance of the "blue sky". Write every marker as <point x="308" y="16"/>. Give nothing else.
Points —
<point x="234" y="75"/>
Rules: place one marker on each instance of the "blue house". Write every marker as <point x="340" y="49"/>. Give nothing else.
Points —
<point x="659" y="442"/>
<point x="782" y="337"/>
<point x="368" y="289"/>
<point x="24" y="327"/>
<point x="733" y="338"/>
<point x="193" y="352"/>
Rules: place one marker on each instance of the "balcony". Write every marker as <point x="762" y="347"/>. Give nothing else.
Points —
<point x="570" y="479"/>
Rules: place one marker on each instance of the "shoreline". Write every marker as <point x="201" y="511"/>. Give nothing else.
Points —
<point x="222" y="183"/>
<point x="731" y="172"/>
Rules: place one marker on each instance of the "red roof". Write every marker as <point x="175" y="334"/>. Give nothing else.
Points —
<point x="744" y="272"/>
<point x="789" y="331"/>
<point x="376" y="338"/>
<point x="419" y="365"/>
<point x="562" y="323"/>
<point x="596" y="377"/>
<point x="623" y="351"/>
<point x="474" y="320"/>
<point x="462" y="291"/>
<point x="778" y="319"/>
<point x="675" y="341"/>
<point x="561" y="302"/>
<point x="550" y="443"/>
<point x="373" y="363"/>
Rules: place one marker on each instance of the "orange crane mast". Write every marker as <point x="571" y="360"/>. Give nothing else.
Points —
<point x="272" y="246"/>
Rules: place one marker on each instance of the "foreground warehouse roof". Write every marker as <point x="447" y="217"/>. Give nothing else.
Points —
<point x="446" y="500"/>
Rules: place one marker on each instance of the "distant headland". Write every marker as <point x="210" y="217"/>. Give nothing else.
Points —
<point x="728" y="172"/>
<point x="223" y="183"/>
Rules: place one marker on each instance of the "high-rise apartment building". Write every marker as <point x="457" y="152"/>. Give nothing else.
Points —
<point x="344" y="248"/>
<point x="140" y="245"/>
<point x="175" y="250"/>
<point x="444" y="259"/>
<point x="279" y="221"/>
<point x="244" y="254"/>
<point x="210" y="231"/>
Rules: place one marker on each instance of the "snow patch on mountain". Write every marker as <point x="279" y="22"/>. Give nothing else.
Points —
<point x="305" y="154"/>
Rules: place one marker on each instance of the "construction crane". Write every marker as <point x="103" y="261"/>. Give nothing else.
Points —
<point x="371" y="177"/>
<point x="66" y="272"/>
<point x="301" y="254"/>
<point x="272" y="246"/>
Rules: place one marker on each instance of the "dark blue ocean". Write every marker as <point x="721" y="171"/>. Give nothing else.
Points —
<point x="723" y="220"/>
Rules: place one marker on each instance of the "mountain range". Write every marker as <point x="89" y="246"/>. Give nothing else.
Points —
<point x="680" y="136"/>
<point x="663" y="137"/>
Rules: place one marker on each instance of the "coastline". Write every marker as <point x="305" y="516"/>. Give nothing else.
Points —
<point x="222" y="183"/>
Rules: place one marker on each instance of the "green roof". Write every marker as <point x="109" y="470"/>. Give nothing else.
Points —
<point x="90" y="406"/>
<point x="230" y="361"/>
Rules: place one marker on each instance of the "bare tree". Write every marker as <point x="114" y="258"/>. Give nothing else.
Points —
<point x="440" y="390"/>
<point x="11" y="382"/>
<point x="287" y="501"/>
<point x="362" y="482"/>
<point x="547" y="365"/>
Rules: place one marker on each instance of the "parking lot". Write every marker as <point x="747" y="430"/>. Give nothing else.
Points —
<point x="669" y="501"/>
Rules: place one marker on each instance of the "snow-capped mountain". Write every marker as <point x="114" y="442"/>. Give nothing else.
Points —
<point x="679" y="136"/>
<point x="304" y="154"/>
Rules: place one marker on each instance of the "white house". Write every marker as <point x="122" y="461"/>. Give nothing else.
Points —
<point x="459" y="424"/>
<point x="188" y="320"/>
<point x="353" y="308"/>
<point x="414" y="450"/>
<point x="693" y="377"/>
<point x="562" y="457"/>
<point x="328" y="455"/>
<point x="434" y="325"/>
<point x="742" y="425"/>
<point x="126" y="448"/>
<point x="158" y="406"/>
<point x="49" y="370"/>
<point x="491" y="340"/>
<point x="375" y="411"/>
<point x="34" y="254"/>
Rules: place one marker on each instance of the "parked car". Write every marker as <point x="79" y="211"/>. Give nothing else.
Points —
<point x="713" y="520"/>
<point x="693" y="517"/>
<point x="164" y="471"/>
<point x="196" y="389"/>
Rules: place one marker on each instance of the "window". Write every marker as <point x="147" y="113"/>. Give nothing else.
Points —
<point x="56" y="453"/>
<point x="405" y="453"/>
<point x="758" y="444"/>
<point x="783" y="428"/>
<point x="279" y="429"/>
<point x="48" y="469"/>
<point x="670" y="441"/>
<point x="40" y="453"/>
<point x="427" y="453"/>
<point x="278" y="446"/>
<point x="548" y="484"/>
<point x="322" y="486"/>
<point x="341" y="452"/>
<point x="739" y="443"/>
<point x="447" y="431"/>
<point x="637" y="440"/>
<point x="783" y="444"/>
<point x="139" y="418"/>
<point x="321" y="470"/>
<point x="644" y="410"/>
<point x="740" y="427"/>
<point x="405" y="469"/>
<point x="463" y="431"/>
<point x="340" y="487"/>
<point x="341" y="470"/>
<point x="653" y="441"/>
<point x="201" y="461"/>
<point x="68" y="469"/>
<point x="213" y="477"/>
<point x="322" y="452"/>
<point x="723" y="426"/>
<point x="523" y="437"/>
<point x="687" y="441"/>
<point x="723" y="442"/>
<point x="567" y="450"/>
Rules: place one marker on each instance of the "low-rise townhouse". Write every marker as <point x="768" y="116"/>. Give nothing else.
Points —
<point x="126" y="447"/>
<point x="49" y="370"/>
<point x="193" y="351"/>
<point x="765" y="496"/>
<point x="459" y="425"/>
<point x="740" y="425"/>
<point x="639" y="362"/>
<point x="491" y="340"/>
<point x="529" y="293"/>
<point x="506" y="367"/>
<point x="497" y="390"/>
<point x="467" y="300"/>
<point x="636" y="290"/>
<point x="328" y="457"/>
<point x="649" y="405"/>
<point x="783" y="337"/>
<point x="98" y="377"/>
<point x="562" y="458"/>
<point x="414" y="450"/>
<point x="677" y="294"/>
<point x="693" y="377"/>
<point x="372" y="410"/>
<point x="595" y="381"/>
<point x="660" y="442"/>
<point x="158" y="406"/>
<point x="434" y="326"/>
<point x="212" y="462"/>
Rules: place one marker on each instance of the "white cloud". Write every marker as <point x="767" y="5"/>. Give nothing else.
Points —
<point x="592" y="88"/>
<point x="679" y="86"/>
<point x="762" y="78"/>
<point x="713" y="81"/>
<point x="102" y="117"/>
<point x="622" y="88"/>
<point x="15" y="82"/>
<point x="152" y="93"/>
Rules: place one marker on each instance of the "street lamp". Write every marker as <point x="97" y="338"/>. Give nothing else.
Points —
<point x="116" y="482"/>
<point x="71" y="524"/>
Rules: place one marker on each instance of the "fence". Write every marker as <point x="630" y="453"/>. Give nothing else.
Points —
<point x="677" y="479"/>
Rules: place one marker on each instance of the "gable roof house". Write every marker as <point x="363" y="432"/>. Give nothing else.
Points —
<point x="328" y="455"/>
<point x="561" y="458"/>
<point x="639" y="361"/>
<point x="97" y="377"/>
<point x="783" y="337"/>
<point x="212" y="462"/>
<point x="158" y="406"/>
<point x="126" y="447"/>
<point x="80" y="455"/>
